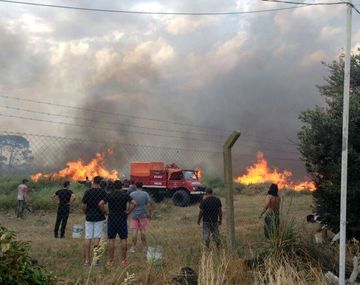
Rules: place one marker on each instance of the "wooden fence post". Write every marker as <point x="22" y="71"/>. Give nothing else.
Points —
<point x="229" y="199"/>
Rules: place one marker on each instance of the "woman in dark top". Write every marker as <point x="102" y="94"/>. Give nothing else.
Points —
<point x="271" y="208"/>
<point x="64" y="195"/>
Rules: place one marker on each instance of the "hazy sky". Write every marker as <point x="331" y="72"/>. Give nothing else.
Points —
<point x="253" y="72"/>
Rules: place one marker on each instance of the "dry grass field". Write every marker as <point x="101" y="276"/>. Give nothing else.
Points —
<point x="173" y="229"/>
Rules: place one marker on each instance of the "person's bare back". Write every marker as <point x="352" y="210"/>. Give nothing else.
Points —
<point x="272" y="204"/>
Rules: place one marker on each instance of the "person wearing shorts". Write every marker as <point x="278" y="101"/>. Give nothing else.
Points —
<point x="120" y="206"/>
<point x="211" y="215"/>
<point x="140" y="216"/>
<point x="95" y="217"/>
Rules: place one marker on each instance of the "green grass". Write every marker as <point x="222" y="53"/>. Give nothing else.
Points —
<point x="40" y="193"/>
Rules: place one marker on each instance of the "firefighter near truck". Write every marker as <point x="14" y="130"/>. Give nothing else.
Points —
<point x="161" y="181"/>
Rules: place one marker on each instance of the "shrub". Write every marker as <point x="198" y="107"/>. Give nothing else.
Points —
<point x="320" y="146"/>
<point x="282" y="238"/>
<point x="213" y="182"/>
<point x="16" y="266"/>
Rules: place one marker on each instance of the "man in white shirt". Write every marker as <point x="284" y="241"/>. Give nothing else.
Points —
<point x="22" y="191"/>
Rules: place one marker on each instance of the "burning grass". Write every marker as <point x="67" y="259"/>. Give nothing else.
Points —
<point x="260" y="172"/>
<point x="175" y="230"/>
<point x="79" y="170"/>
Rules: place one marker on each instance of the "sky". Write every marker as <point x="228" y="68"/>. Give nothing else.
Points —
<point x="252" y="72"/>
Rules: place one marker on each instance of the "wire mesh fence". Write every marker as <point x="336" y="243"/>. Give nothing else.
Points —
<point x="157" y="228"/>
<point x="22" y="153"/>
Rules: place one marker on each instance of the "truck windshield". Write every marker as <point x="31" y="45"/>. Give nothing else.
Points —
<point x="190" y="175"/>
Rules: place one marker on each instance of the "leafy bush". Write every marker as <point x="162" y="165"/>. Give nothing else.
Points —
<point x="15" y="263"/>
<point x="9" y="184"/>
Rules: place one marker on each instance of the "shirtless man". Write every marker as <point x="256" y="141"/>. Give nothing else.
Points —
<point x="271" y="208"/>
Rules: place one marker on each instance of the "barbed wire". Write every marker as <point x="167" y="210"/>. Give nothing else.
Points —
<point x="270" y="141"/>
<point x="110" y="129"/>
<point x="116" y="114"/>
<point x="107" y="122"/>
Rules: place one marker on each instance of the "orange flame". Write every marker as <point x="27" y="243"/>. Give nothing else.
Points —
<point x="198" y="172"/>
<point x="260" y="172"/>
<point x="78" y="170"/>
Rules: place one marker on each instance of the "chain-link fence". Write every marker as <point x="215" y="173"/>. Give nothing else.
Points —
<point x="147" y="207"/>
<point x="158" y="228"/>
<point x="28" y="154"/>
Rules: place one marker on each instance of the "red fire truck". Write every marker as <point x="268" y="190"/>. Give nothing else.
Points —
<point x="161" y="181"/>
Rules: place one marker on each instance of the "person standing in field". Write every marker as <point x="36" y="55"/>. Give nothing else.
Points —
<point x="211" y="215"/>
<point x="95" y="216"/>
<point x="272" y="209"/>
<point x="120" y="205"/>
<point x="140" y="216"/>
<point x="22" y="198"/>
<point x="87" y="182"/>
<point x="65" y="196"/>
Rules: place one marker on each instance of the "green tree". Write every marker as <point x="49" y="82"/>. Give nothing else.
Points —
<point x="14" y="151"/>
<point x="321" y="145"/>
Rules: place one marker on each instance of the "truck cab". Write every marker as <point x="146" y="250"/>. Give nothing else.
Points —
<point x="185" y="187"/>
<point x="160" y="180"/>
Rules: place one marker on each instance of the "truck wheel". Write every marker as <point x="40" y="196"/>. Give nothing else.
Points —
<point x="181" y="198"/>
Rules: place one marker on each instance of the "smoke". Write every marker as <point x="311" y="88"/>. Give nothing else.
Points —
<point x="253" y="73"/>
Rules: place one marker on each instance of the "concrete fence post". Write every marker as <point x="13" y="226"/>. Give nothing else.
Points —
<point x="229" y="199"/>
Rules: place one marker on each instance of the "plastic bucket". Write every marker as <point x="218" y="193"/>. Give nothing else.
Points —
<point x="154" y="256"/>
<point x="77" y="231"/>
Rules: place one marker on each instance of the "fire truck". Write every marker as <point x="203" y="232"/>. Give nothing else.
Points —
<point x="160" y="181"/>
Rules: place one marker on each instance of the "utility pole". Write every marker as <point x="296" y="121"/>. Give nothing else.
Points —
<point x="345" y="138"/>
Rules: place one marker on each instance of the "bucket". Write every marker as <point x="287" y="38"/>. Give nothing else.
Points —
<point x="154" y="256"/>
<point x="77" y="231"/>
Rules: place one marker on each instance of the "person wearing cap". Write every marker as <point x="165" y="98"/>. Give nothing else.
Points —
<point x="65" y="196"/>
<point x="22" y="198"/>
<point x="211" y="215"/>
<point x="94" y="215"/>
